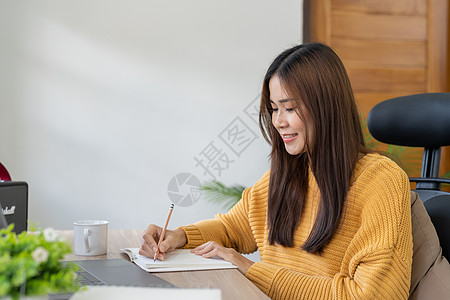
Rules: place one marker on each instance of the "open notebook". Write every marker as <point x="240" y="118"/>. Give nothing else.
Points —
<point x="177" y="260"/>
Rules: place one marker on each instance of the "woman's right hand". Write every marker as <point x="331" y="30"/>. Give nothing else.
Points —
<point x="173" y="239"/>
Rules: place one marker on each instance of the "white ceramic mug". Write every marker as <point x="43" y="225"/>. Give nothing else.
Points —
<point x="90" y="237"/>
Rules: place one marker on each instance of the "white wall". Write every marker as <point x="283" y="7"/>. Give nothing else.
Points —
<point x="103" y="102"/>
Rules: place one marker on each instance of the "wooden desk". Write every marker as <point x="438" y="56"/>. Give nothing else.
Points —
<point x="231" y="282"/>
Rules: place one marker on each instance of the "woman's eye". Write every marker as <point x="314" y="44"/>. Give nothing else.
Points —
<point x="273" y="109"/>
<point x="289" y="109"/>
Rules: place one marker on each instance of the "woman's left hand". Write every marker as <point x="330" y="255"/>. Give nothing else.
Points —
<point x="212" y="249"/>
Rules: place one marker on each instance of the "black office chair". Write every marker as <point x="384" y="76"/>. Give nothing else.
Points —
<point x="421" y="120"/>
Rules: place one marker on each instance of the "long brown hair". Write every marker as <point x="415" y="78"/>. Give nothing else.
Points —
<point x="314" y="75"/>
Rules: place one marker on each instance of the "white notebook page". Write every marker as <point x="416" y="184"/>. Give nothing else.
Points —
<point x="177" y="260"/>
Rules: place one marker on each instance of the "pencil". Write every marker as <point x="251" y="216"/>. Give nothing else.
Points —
<point x="161" y="237"/>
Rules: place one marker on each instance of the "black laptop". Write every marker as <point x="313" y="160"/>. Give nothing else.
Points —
<point x="117" y="272"/>
<point x="14" y="203"/>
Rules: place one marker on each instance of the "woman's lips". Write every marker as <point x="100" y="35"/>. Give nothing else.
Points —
<point x="287" y="138"/>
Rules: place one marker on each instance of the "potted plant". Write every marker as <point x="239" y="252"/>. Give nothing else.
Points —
<point x="31" y="266"/>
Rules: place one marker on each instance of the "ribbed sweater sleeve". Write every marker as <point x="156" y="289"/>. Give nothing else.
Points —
<point x="231" y="230"/>
<point x="377" y="262"/>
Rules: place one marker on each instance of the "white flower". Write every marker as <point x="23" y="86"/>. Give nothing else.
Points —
<point x="40" y="255"/>
<point x="50" y="234"/>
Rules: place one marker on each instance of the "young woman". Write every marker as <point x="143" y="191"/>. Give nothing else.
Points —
<point x="330" y="219"/>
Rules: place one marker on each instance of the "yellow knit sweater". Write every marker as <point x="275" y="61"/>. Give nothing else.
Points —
<point x="369" y="256"/>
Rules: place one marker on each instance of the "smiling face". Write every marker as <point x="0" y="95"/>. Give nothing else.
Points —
<point x="286" y="119"/>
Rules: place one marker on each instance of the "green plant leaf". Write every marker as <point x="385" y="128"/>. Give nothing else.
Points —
<point x="228" y="196"/>
<point x="21" y="274"/>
